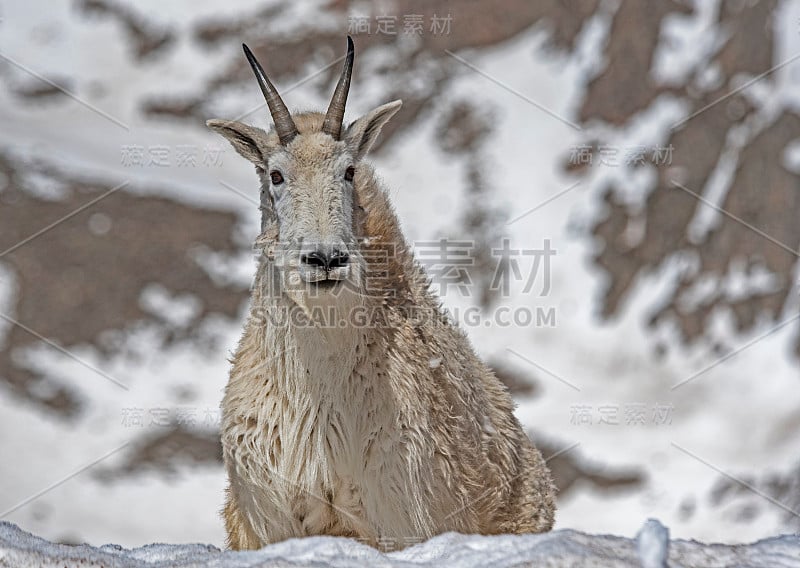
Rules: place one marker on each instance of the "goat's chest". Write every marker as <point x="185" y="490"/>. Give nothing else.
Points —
<point x="313" y="462"/>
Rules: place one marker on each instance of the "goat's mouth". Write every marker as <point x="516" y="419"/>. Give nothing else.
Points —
<point x="325" y="279"/>
<point x="328" y="284"/>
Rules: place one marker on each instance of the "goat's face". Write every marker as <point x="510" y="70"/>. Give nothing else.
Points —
<point x="308" y="166"/>
<point x="307" y="191"/>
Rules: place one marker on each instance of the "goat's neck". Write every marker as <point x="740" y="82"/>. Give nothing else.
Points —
<point x="321" y="358"/>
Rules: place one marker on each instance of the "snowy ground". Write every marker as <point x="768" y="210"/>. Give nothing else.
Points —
<point x="722" y="423"/>
<point x="650" y="549"/>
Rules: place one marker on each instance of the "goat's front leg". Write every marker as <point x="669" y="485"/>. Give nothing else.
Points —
<point x="241" y="535"/>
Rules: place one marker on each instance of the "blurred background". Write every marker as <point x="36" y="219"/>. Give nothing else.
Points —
<point x="622" y="176"/>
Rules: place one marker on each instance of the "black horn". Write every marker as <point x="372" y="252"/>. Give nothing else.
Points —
<point x="335" y="114"/>
<point x="284" y="125"/>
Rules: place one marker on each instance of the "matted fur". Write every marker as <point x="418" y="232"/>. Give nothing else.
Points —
<point x="391" y="433"/>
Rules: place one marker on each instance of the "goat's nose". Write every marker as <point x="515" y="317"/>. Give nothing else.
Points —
<point x="338" y="259"/>
<point x="315" y="258"/>
<point x="327" y="260"/>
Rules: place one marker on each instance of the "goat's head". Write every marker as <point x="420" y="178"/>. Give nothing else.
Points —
<point x="308" y="166"/>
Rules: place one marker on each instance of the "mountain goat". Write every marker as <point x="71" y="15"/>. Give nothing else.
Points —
<point x="385" y="427"/>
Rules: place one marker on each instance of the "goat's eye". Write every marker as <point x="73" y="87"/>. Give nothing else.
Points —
<point x="276" y="177"/>
<point x="349" y="173"/>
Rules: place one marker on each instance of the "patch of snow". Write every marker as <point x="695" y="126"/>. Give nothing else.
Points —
<point x="8" y="293"/>
<point x="225" y="269"/>
<point x="707" y="214"/>
<point x="742" y="283"/>
<point x="791" y="157"/>
<point x="652" y="543"/>
<point x="557" y="549"/>
<point x="43" y="186"/>
<point x="178" y="310"/>
<point x="685" y="43"/>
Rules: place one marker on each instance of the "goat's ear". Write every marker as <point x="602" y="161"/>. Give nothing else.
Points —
<point x="243" y="138"/>
<point x="361" y="135"/>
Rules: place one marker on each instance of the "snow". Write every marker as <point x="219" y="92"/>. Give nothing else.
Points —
<point x="652" y="544"/>
<point x="685" y="43"/>
<point x="560" y="548"/>
<point x="8" y="293"/>
<point x="178" y="310"/>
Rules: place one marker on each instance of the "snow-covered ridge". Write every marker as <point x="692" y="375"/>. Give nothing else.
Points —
<point x="650" y="549"/>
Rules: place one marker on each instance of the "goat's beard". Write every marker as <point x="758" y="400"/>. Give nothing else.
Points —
<point x="338" y="296"/>
<point x="279" y="276"/>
